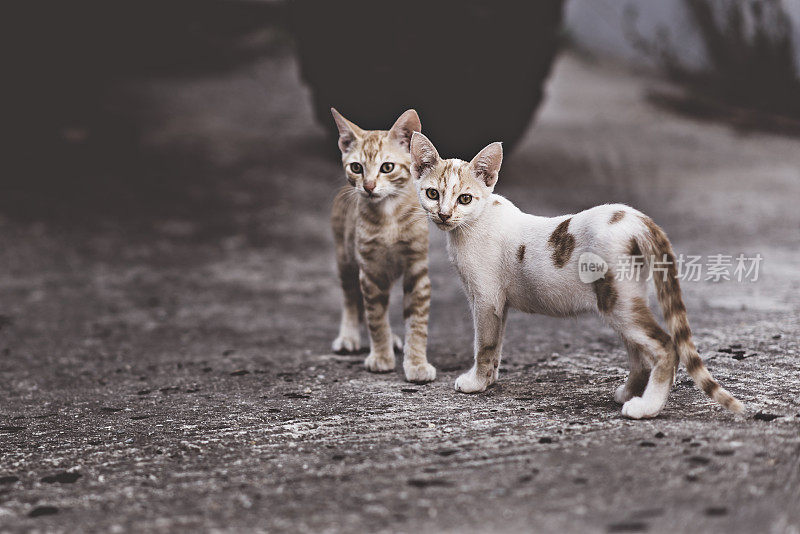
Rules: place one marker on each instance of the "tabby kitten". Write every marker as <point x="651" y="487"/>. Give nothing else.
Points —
<point x="380" y="236"/>
<point x="509" y="259"/>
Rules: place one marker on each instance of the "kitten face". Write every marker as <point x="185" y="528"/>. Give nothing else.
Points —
<point x="377" y="162"/>
<point x="453" y="192"/>
<point x="451" y="195"/>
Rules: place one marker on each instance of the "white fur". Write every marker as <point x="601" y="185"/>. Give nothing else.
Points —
<point x="484" y="240"/>
<point x="485" y="255"/>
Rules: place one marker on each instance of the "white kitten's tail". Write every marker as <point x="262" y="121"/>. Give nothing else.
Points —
<point x="656" y="244"/>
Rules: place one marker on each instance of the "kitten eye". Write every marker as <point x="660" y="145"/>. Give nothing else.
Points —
<point x="432" y="193"/>
<point x="387" y="167"/>
<point x="356" y="167"/>
<point x="464" y="199"/>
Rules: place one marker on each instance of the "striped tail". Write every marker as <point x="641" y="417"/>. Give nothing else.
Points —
<point x="655" y="243"/>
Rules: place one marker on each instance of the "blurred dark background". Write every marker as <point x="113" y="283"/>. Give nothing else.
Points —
<point x="77" y="113"/>
<point x="474" y="70"/>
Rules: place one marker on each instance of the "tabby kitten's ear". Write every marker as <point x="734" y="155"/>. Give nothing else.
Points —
<point x="404" y="127"/>
<point x="486" y="164"/>
<point x="348" y="132"/>
<point x="424" y="156"/>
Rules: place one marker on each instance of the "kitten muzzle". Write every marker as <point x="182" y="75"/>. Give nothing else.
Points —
<point x="443" y="225"/>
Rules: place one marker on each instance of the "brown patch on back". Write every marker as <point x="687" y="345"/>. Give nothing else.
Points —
<point x="496" y="203"/>
<point x="616" y="217"/>
<point x="521" y="253"/>
<point x="563" y="243"/>
<point x="606" y="293"/>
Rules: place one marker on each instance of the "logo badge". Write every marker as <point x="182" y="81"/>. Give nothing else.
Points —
<point x="591" y="267"/>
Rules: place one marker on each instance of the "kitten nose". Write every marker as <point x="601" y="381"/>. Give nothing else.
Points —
<point x="369" y="187"/>
<point x="444" y="216"/>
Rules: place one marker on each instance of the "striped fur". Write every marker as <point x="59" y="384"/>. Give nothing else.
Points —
<point x="380" y="236"/>
<point x="655" y="244"/>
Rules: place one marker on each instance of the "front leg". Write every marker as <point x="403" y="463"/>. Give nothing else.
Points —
<point x="349" y="336"/>
<point x="489" y="326"/>
<point x="416" y="305"/>
<point x="375" y="288"/>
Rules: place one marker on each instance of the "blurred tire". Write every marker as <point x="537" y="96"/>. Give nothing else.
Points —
<point x="474" y="70"/>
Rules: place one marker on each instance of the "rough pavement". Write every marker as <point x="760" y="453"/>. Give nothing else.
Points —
<point x="165" y="359"/>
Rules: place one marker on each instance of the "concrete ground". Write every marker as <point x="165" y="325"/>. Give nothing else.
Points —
<point x="165" y="338"/>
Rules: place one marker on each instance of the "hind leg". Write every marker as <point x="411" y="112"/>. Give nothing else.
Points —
<point x="638" y="328"/>
<point x="637" y="378"/>
<point x="655" y="394"/>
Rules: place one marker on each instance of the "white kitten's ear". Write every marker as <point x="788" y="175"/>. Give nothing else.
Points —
<point x="487" y="163"/>
<point x="404" y="127"/>
<point x="348" y="132"/>
<point x="423" y="155"/>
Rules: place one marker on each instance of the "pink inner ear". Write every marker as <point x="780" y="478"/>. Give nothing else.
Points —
<point x="404" y="137"/>
<point x="423" y="154"/>
<point x="483" y="167"/>
<point x="345" y="140"/>
<point x="484" y="170"/>
<point x="487" y="164"/>
<point x="424" y="159"/>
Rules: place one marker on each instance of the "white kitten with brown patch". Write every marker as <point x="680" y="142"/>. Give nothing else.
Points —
<point x="509" y="259"/>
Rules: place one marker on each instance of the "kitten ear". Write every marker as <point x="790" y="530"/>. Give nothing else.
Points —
<point x="486" y="164"/>
<point x="404" y="127"/>
<point x="348" y="132"/>
<point x="423" y="155"/>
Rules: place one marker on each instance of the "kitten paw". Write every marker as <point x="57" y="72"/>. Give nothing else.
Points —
<point x="397" y="342"/>
<point x="421" y="373"/>
<point x="345" y="344"/>
<point x="638" y="408"/>
<point x="622" y="395"/>
<point x="471" y="382"/>
<point x="379" y="364"/>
